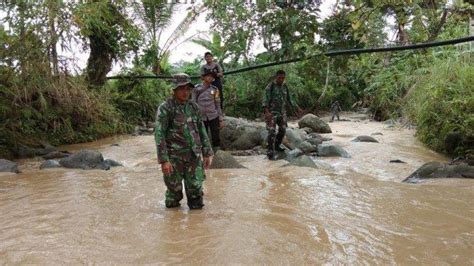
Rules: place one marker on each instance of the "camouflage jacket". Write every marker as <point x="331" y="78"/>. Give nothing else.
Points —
<point x="179" y="131"/>
<point x="335" y="107"/>
<point x="277" y="98"/>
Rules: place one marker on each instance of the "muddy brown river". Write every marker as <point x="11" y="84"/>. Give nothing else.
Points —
<point x="355" y="211"/>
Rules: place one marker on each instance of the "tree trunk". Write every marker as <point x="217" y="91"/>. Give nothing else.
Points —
<point x="325" y="85"/>
<point x="99" y="62"/>
<point x="53" y="53"/>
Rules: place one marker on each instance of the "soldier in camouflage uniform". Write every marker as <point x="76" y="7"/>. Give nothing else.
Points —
<point x="275" y="101"/>
<point x="335" y="109"/>
<point x="184" y="150"/>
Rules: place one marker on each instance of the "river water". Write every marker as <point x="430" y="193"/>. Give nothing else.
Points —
<point x="354" y="211"/>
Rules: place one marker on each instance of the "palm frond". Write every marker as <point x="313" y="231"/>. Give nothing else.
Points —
<point x="182" y="27"/>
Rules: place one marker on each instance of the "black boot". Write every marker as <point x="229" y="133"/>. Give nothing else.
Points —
<point x="270" y="155"/>
<point x="195" y="204"/>
<point x="173" y="204"/>
<point x="279" y="148"/>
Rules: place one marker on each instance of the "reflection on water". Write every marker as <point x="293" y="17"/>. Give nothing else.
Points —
<point x="358" y="212"/>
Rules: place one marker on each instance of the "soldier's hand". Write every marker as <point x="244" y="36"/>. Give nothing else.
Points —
<point x="221" y="124"/>
<point x="166" y="168"/>
<point x="207" y="162"/>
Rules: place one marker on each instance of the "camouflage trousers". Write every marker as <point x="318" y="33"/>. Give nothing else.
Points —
<point x="189" y="169"/>
<point x="274" y="139"/>
<point x="334" y="114"/>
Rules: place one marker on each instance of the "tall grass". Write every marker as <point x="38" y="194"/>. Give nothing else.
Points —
<point x="39" y="107"/>
<point x="442" y="101"/>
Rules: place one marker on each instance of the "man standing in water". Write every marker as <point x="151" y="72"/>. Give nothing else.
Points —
<point x="206" y="96"/>
<point x="275" y="100"/>
<point x="335" y="109"/>
<point x="217" y="72"/>
<point x="182" y="145"/>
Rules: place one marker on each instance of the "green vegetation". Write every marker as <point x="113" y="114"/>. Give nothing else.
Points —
<point x="44" y="96"/>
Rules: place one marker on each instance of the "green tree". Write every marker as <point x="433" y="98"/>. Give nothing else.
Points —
<point x="156" y="15"/>
<point x="109" y="33"/>
<point x="214" y="46"/>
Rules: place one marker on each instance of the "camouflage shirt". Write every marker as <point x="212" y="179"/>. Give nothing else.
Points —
<point x="179" y="131"/>
<point x="277" y="98"/>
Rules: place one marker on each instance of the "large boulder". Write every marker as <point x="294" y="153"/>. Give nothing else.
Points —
<point x="248" y="139"/>
<point x="240" y="134"/>
<point x="307" y="147"/>
<point x="332" y="150"/>
<point x="293" y="154"/>
<point x="303" y="161"/>
<point x="224" y="160"/>
<point x="306" y="161"/>
<point x="292" y="138"/>
<point x="315" y="141"/>
<point x="318" y="136"/>
<point x="85" y="159"/>
<point x="364" y="138"/>
<point x="8" y="166"/>
<point x="50" y="164"/>
<point x="27" y="152"/>
<point x="315" y="123"/>
<point x="56" y="155"/>
<point x="298" y="138"/>
<point x="440" y="170"/>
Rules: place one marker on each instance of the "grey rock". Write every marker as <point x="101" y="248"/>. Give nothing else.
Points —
<point x="112" y="163"/>
<point x="56" y="155"/>
<point x="244" y="152"/>
<point x="315" y="141"/>
<point x="143" y="130"/>
<point x="440" y="170"/>
<point x="318" y="136"/>
<point x="397" y="161"/>
<point x="240" y="134"/>
<point x="364" y="138"/>
<point x="303" y="161"/>
<point x="315" y="123"/>
<point x="249" y="138"/>
<point x="292" y="138"/>
<point x="307" y="147"/>
<point x="332" y="150"/>
<point x="224" y="160"/>
<point x="85" y="159"/>
<point x="307" y="130"/>
<point x="293" y="154"/>
<point x="50" y="164"/>
<point x="28" y="152"/>
<point x="306" y="161"/>
<point x="8" y="166"/>
<point x="279" y="155"/>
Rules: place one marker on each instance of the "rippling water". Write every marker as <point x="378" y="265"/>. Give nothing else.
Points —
<point x="354" y="211"/>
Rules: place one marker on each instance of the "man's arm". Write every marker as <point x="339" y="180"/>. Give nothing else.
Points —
<point x="266" y="98"/>
<point x="220" y="71"/>
<point x="161" y="127"/>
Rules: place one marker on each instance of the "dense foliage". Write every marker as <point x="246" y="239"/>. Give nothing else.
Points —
<point x="44" y="96"/>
